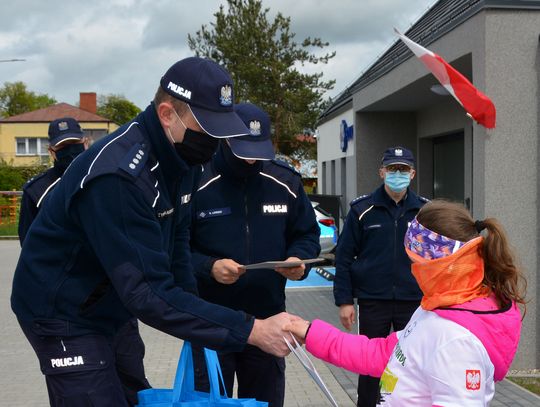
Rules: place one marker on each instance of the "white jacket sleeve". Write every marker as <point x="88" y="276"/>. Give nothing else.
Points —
<point x="460" y="373"/>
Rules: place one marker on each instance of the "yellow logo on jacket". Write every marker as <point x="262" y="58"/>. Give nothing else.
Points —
<point x="388" y="381"/>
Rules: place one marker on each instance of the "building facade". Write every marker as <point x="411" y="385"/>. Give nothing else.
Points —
<point x="495" y="44"/>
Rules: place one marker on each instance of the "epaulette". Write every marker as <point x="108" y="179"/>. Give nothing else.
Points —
<point x="423" y="199"/>
<point x="134" y="160"/>
<point x="286" y="165"/>
<point x="34" y="179"/>
<point x="359" y="198"/>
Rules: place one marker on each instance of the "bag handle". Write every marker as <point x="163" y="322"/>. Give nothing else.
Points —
<point x="184" y="379"/>
<point x="215" y="375"/>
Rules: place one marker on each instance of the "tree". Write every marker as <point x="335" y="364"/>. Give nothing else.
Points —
<point x="15" y="99"/>
<point x="117" y="108"/>
<point x="263" y="59"/>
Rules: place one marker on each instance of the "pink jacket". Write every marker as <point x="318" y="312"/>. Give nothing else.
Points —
<point x="498" y="330"/>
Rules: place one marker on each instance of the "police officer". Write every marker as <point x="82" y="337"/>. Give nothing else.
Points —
<point x="371" y="263"/>
<point x="108" y="244"/>
<point x="66" y="141"/>
<point x="250" y="209"/>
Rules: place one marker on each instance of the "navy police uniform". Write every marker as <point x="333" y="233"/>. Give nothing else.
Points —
<point x="372" y="266"/>
<point x="34" y="192"/>
<point x="128" y="346"/>
<point x="263" y="216"/>
<point x="101" y="251"/>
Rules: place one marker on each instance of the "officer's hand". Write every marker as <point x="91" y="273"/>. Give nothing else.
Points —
<point x="292" y="273"/>
<point x="267" y="334"/>
<point x="347" y="315"/>
<point x="227" y="271"/>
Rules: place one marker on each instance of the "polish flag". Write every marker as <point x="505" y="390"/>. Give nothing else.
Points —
<point x="478" y="105"/>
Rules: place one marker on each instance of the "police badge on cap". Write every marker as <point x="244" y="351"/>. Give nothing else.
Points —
<point x="226" y="96"/>
<point x="255" y="128"/>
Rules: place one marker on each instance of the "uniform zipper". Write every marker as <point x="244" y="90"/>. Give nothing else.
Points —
<point x="247" y="227"/>
<point x="394" y="262"/>
<point x="395" y="253"/>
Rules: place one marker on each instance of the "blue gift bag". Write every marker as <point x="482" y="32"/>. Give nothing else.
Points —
<point x="183" y="393"/>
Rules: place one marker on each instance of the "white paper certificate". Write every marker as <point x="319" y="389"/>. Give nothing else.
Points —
<point x="308" y="365"/>
<point x="274" y="264"/>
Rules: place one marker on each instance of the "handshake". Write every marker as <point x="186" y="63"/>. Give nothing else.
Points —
<point x="267" y="334"/>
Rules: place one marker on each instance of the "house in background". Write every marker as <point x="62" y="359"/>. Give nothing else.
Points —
<point x="23" y="138"/>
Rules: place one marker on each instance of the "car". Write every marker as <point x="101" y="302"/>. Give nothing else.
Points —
<point x="327" y="224"/>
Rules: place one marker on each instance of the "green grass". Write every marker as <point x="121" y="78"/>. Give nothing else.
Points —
<point x="530" y="383"/>
<point x="8" y="230"/>
<point x="9" y="205"/>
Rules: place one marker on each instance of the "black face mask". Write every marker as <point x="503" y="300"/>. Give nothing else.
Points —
<point x="238" y="166"/>
<point x="197" y="147"/>
<point x="67" y="154"/>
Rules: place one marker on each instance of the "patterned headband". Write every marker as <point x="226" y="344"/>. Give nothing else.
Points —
<point x="429" y="244"/>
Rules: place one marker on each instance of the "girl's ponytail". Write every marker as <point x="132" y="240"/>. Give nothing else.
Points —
<point x="501" y="273"/>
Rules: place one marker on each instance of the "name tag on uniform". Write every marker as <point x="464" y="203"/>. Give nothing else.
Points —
<point x="167" y="212"/>
<point x="212" y="213"/>
<point x="374" y="226"/>
<point x="274" y="209"/>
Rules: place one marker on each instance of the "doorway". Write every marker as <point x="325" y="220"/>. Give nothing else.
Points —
<point x="449" y="167"/>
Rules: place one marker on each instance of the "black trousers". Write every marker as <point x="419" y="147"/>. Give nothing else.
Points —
<point x="91" y="370"/>
<point x="376" y="319"/>
<point x="260" y="375"/>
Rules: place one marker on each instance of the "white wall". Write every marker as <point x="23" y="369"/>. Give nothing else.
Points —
<point x="329" y="148"/>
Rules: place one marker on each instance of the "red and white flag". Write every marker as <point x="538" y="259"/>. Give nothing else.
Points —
<point x="478" y="105"/>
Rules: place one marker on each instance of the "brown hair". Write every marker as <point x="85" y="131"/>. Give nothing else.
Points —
<point x="501" y="273"/>
<point x="162" y="96"/>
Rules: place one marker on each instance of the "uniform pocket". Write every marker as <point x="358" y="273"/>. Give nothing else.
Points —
<point x="106" y="396"/>
<point x="62" y="355"/>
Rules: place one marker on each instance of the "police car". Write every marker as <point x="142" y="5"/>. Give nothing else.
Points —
<point x="327" y="224"/>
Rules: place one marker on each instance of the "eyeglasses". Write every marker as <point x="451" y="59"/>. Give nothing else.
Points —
<point x="398" y="167"/>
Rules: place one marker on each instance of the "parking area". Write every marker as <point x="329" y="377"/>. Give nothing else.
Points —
<point x="23" y="385"/>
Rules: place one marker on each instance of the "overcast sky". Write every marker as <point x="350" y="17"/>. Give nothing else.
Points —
<point x="124" y="46"/>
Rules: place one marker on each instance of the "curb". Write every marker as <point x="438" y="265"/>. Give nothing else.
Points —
<point x="523" y="388"/>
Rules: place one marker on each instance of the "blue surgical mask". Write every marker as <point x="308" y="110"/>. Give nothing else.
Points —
<point x="397" y="181"/>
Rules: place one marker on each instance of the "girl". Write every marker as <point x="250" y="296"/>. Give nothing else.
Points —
<point x="464" y="335"/>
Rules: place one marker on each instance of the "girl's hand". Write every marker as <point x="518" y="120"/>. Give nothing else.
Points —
<point x="298" y="328"/>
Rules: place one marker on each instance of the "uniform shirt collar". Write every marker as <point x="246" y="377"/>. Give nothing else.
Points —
<point x="171" y="164"/>
<point x="381" y="198"/>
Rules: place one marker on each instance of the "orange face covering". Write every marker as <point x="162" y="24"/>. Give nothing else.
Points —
<point x="450" y="280"/>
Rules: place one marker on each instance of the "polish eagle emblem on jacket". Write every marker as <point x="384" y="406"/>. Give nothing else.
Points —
<point x="472" y="378"/>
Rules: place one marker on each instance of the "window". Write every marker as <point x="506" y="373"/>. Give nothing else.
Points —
<point x="333" y="177"/>
<point x="343" y="171"/>
<point x="31" y="146"/>
<point x="94" y="134"/>
<point x="323" y="179"/>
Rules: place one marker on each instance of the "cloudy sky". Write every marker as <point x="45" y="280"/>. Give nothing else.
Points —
<point x="124" y="46"/>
